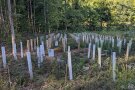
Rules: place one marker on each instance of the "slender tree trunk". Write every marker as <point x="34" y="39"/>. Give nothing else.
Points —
<point x="101" y="27"/>
<point x="11" y="25"/>
<point x="65" y="15"/>
<point x="15" y="18"/>
<point x="46" y="15"/>
<point x="3" y="21"/>
<point x="1" y="24"/>
<point x="5" y="16"/>
<point x="34" y="27"/>
<point x="31" y="18"/>
<point x="28" y="8"/>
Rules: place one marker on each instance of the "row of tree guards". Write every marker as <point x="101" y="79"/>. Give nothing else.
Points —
<point x="96" y="44"/>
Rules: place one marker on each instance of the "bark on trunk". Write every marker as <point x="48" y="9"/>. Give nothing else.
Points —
<point x="11" y="25"/>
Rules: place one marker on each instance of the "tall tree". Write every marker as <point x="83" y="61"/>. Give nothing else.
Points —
<point x="11" y="25"/>
<point x="46" y="15"/>
<point x="2" y="22"/>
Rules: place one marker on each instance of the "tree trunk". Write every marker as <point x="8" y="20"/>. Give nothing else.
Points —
<point x="29" y="21"/>
<point x="11" y="25"/>
<point x="34" y="27"/>
<point x="65" y="16"/>
<point x="3" y="22"/>
<point x="101" y="27"/>
<point x="15" y="17"/>
<point x="46" y="15"/>
<point x="31" y="17"/>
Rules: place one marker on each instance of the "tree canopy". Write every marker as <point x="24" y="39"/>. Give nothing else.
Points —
<point x="37" y="16"/>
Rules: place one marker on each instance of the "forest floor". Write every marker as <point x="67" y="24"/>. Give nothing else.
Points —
<point x="53" y="74"/>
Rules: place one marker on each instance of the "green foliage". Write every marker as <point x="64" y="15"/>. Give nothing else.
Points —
<point x="72" y="15"/>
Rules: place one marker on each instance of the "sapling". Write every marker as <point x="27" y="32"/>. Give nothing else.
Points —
<point x="70" y="64"/>
<point x="119" y="45"/>
<point x="41" y="53"/>
<point x="78" y="41"/>
<point x="101" y="43"/>
<point x="114" y="65"/>
<point x="99" y="57"/>
<point x="21" y="49"/>
<point x="4" y="56"/>
<point x="49" y="43"/>
<point x="89" y="49"/>
<point x="51" y="52"/>
<point x="29" y="64"/>
<point x="112" y="42"/>
<point x="56" y="43"/>
<point x="94" y="49"/>
<point x="38" y="57"/>
<point x="15" y="52"/>
<point x="43" y="48"/>
<point x="130" y="44"/>
<point x="125" y="41"/>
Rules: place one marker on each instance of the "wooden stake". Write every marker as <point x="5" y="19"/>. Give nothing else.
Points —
<point x="28" y="46"/>
<point x="35" y="46"/>
<point x="41" y="53"/>
<point x="31" y="44"/>
<point x="127" y="52"/>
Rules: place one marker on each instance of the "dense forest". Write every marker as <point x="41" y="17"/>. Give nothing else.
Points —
<point x="35" y="16"/>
